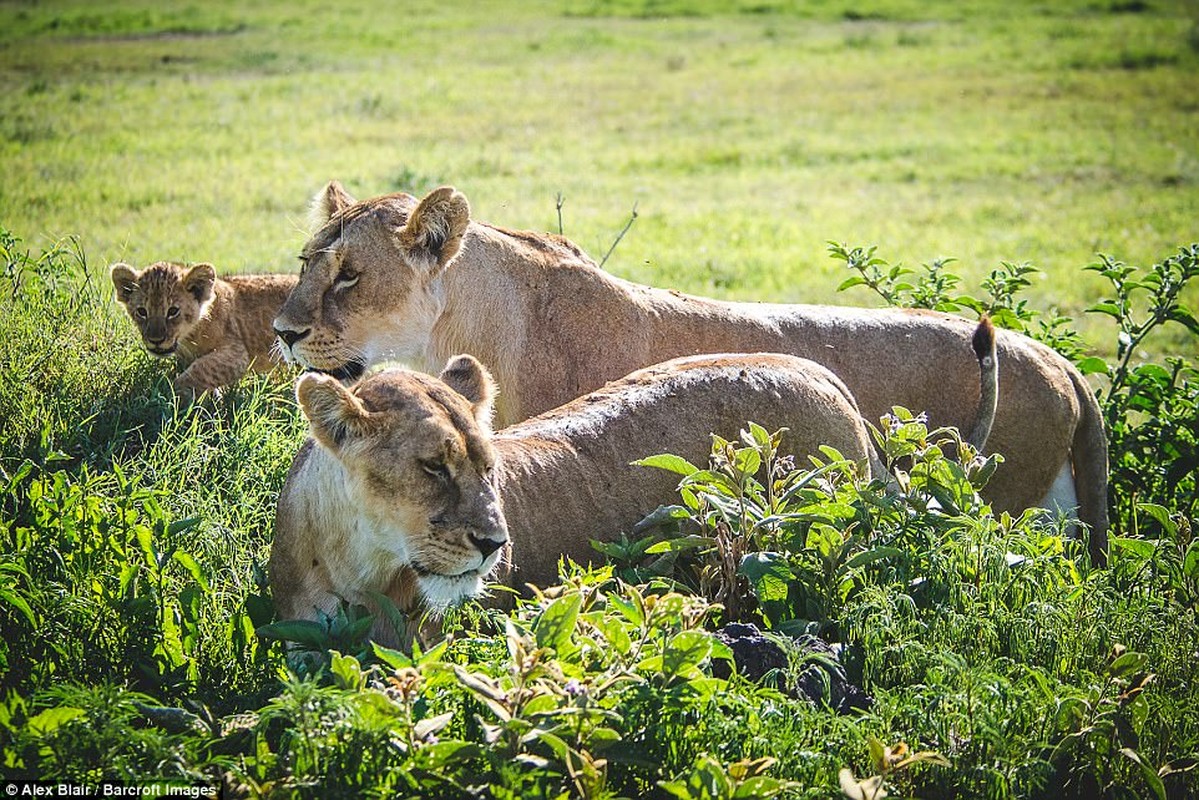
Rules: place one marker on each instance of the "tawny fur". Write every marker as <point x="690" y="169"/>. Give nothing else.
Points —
<point x="360" y="507"/>
<point x="366" y="510"/>
<point x="551" y="326"/>
<point x="220" y="328"/>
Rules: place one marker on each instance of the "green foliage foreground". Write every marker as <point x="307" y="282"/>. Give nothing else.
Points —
<point x="997" y="661"/>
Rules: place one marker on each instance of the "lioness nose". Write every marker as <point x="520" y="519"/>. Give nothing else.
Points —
<point x="485" y="546"/>
<point x="290" y="337"/>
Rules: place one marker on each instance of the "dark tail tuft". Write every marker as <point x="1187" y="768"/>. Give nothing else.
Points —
<point x="984" y="339"/>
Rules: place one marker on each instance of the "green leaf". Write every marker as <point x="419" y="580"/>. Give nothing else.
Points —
<point x="1127" y="663"/>
<point x="1182" y="315"/>
<point x="53" y="718"/>
<point x="849" y="283"/>
<point x="192" y="567"/>
<point x="668" y="462"/>
<point x="301" y="631"/>
<point x="631" y="609"/>
<point x="145" y="541"/>
<point x="1141" y="548"/>
<point x="662" y="515"/>
<point x="876" y="554"/>
<point x="442" y="754"/>
<point x="1190" y="563"/>
<point x="691" y="542"/>
<point x="1092" y="365"/>
<point x="1162" y="515"/>
<point x="179" y="526"/>
<point x="1106" y="307"/>
<point x="13" y="599"/>
<point x="747" y="461"/>
<point x="768" y="573"/>
<point x="759" y="786"/>
<point x="392" y="658"/>
<point x="685" y="650"/>
<point x="1152" y="780"/>
<point x="555" y="626"/>
<point x="676" y="789"/>
<point x="346" y="671"/>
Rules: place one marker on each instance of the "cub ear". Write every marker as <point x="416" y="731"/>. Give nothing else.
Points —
<point x="335" y="414"/>
<point x="433" y="235"/>
<point x="466" y="376"/>
<point x="327" y="202"/>
<point x="124" y="280"/>
<point x="199" y="281"/>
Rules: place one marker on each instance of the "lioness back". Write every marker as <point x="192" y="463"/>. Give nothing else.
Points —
<point x="566" y="476"/>
<point x="425" y="282"/>
<point x="216" y="327"/>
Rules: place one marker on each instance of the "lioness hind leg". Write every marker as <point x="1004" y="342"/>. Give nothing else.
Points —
<point x="1062" y="499"/>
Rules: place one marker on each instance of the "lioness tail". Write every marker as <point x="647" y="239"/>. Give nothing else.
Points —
<point x="988" y="379"/>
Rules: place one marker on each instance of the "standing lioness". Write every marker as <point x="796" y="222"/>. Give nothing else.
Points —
<point x="406" y="492"/>
<point x="394" y="278"/>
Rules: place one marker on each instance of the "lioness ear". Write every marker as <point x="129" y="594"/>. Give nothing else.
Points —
<point x="334" y="413"/>
<point x="199" y="281"/>
<point x="124" y="280"/>
<point x="327" y="202"/>
<point x="466" y="376"/>
<point x="435" y="228"/>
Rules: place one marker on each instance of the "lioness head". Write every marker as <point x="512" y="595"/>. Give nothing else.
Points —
<point x="164" y="300"/>
<point x="420" y="464"/>
<point x="368" y="287"/>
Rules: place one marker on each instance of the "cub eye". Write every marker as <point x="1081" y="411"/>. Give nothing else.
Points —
<point x="346" y="277"/>
<point x="437" y="469"/>
<point x="141" y="312"/>
<point x="172" y="312"/>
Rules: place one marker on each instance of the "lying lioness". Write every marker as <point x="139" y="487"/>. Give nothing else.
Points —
<point x="393" y="278"/>
<point x="407" y="493"/>
<point x="217" y="328"/>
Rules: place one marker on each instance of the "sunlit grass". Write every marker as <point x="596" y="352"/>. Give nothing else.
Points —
<point x="746" y="136"/>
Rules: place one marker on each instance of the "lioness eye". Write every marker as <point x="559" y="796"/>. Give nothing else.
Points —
<point x="346" y="276"/>
<point x="436" y="469"/>
<point x="141" y="312"/>
<point x="172" y="312"/>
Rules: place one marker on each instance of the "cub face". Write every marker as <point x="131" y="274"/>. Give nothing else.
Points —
<point x="420" y="468"/>
<point x="164" y="300"/>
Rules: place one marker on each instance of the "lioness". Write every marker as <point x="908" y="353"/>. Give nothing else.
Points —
<point x="406" y="492"/>
<point x="216" y="327"/>
<point x="394" y="278"/>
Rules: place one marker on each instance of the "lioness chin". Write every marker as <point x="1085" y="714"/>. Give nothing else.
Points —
<point x="405" y="492"/>
<point x="394" y="278"/>
<point x="216" y="327"/>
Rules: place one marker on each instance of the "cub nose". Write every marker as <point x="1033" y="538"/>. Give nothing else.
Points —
<point x="290" y="337"/>
<point x="484" y="545"/>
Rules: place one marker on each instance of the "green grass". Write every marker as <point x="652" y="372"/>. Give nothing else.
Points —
<point x="1039" y="132"/>
<point x="747" y="134"/>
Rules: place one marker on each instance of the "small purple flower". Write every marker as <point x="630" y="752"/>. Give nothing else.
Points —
<point x="574" y="688"/>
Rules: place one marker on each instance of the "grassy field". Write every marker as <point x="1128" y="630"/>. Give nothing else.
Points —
<point x="746" y="134"/>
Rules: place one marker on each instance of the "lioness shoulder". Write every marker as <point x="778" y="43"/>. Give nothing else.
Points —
<point x="217" y="327"/>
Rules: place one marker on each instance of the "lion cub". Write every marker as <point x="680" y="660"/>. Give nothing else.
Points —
<point x="217" y="327"/>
